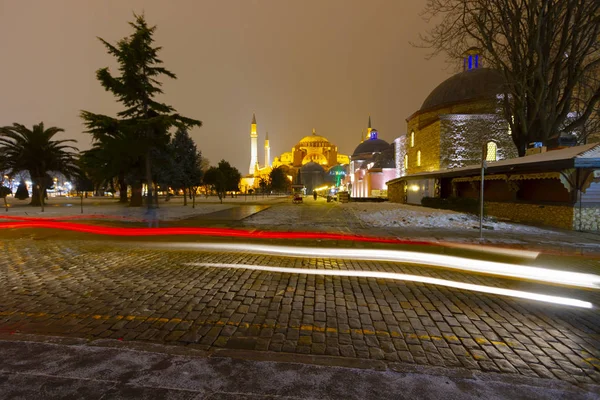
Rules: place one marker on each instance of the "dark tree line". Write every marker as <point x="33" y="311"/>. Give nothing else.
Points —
<point x="134" y="148"/>
<point x="222" y="179"/>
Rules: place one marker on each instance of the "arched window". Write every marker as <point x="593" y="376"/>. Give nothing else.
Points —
<point x="406" y="161"/>
<point x="419" y="158"/>
<point x="412" y="139"/>
<point x="492" y="151"/>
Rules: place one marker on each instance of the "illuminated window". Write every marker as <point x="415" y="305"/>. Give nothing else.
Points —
<point x="406" y="161"/>
<point x="412" y="139"/>
<point x="492" y="150"/>
<point x="419" y="158"/>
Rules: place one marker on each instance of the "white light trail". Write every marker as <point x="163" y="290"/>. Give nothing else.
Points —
<point x="411" y="278"/>
<point x="538" y="274"/>
<point x="493" y="250"/>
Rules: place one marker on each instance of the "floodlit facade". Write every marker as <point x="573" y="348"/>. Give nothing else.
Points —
<point x="313" y="149"/>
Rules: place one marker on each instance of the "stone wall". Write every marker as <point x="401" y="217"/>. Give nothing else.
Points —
<point x="452" y="136"/>
<point x="396" y="192"/>
<point x="399" y="152"/>
<point x="549" y="215"/>
<point x="590" y="217"/>
<point x="427" y="141"/>
<point x="462" y="137"/>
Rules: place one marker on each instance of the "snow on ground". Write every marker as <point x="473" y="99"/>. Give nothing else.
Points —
<point x="97" y="208"/>
<point x="403" y="215"/>
<point x="384" y="215"/>
<point x="392" y="215"/>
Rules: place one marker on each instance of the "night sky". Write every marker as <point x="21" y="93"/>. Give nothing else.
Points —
<point x="323" y="64"/>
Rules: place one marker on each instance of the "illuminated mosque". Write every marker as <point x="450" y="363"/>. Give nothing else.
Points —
<point x="312" y="162"/>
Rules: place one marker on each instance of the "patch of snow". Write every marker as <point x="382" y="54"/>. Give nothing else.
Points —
<point x="403" y="215"/>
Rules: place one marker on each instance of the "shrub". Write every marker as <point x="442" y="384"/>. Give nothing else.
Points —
<point x="460" y="204"/>
<point x="22" y="192"/>
<point x="4" y="191"/>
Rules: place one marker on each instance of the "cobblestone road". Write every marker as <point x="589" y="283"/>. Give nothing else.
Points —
<point x="95" y="289"/>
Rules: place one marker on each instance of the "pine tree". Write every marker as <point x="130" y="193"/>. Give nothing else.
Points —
<point x="186" y="172"/>
<point x="144" y="121"/>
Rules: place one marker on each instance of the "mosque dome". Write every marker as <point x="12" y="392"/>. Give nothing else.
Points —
<point x="473" y="84"/>
<point x="371" y="146"/>
<point x="313" y="140"/>
<point x="312" y="167"/>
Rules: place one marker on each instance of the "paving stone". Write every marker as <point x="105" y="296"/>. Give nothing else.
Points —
<point x="147" y="295"/>
<point x="376" y="353"/>
<point x="542" y="371"/>
<point x="489" y="366"/>
<point x="347" y="351"/>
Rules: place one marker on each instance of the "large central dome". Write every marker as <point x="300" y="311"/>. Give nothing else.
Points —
<point x="313" y="138"/>
<point x="474" y="84"/>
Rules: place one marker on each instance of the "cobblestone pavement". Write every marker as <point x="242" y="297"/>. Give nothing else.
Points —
<point x="95" y="289"/>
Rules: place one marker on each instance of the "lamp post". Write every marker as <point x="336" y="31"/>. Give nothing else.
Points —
<point x="484" y="150"/>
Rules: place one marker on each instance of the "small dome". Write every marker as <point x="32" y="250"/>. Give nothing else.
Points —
<point x="338" y="170"/>
<point x="468" y="85"/>
<point x="371" y="146"/>
<point x="312" y="167"/>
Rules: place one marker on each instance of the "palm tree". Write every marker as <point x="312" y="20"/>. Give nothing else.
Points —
<point x="34" y="151"/>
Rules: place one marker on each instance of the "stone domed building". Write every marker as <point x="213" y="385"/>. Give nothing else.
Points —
<point x="371" y="166"/>
<point x="440" y="157"/>
<point x="459" y="117"/>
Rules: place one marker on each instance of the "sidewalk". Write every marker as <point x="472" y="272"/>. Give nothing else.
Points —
<point x="59" y="368"/>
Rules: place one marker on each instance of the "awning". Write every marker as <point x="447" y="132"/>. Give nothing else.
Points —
<point x="543" y="175"/>
<point x="497" y="177"/>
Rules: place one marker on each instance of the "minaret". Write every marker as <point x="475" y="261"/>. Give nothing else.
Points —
<point x="267" y="152"/>
<point x="253" y="146"/>
<point x="369" y="129"/>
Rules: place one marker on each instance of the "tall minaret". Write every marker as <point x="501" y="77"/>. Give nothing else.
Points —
<point x="369" y="129"/>
<point x="253" y="146"/>
<point x="267" y="152"/>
